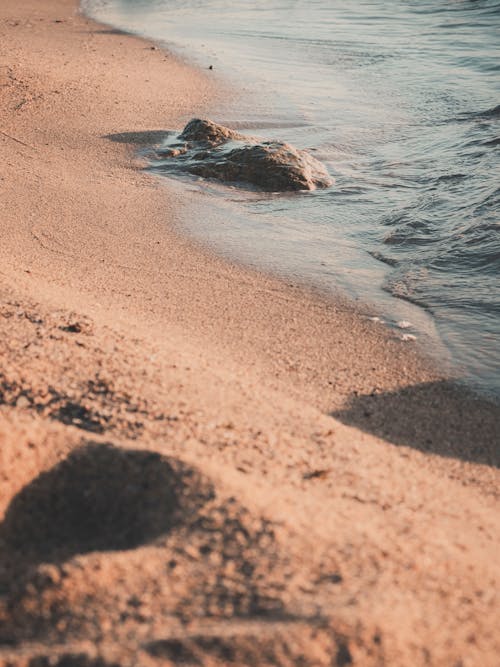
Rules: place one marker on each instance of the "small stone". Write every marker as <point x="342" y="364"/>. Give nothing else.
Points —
<point x="407" y="338"/>
<point x="317" y="474"/>
<point x="22" y="402"/>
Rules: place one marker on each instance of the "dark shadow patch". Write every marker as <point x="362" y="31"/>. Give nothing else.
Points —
<point x="437" y="417"/>
<point x="73" y="323"/>
<point x="258" y="643"/>
<point x="96" y="409"/>
<point x="74" y="414"/>
<point x="110" y="31"/>
<point x="148" y="137"/>
<point x="101" y="498"/>
<point x="343" y="657"/>
<point x="72" y="328"/>
<point x="176" y="650"/>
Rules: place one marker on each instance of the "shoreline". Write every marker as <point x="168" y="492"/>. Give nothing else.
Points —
<point x="246" y="231"/>
<point x="120" y="334"/>
<point x="423" y="334"/>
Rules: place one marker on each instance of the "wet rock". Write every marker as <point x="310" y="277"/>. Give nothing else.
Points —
<point x="208" y="132"/>
<point x="209" y="150"/>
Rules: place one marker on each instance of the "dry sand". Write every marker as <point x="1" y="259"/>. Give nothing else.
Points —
<point x="174" y="487"/>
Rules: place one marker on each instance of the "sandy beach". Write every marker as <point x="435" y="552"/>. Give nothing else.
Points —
<point x="201" y="464"/>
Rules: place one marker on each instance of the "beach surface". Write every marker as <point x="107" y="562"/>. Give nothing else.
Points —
<point x="201" y="464"/>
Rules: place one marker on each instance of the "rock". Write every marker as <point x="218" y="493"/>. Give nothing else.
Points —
<point x="208" y="132"/>
<point x="209" y="150"/>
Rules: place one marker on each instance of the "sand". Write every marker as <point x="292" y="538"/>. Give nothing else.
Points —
<point x="201" y="464"/>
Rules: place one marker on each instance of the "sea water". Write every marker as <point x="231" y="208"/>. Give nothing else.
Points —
<point x="401" y="100"/>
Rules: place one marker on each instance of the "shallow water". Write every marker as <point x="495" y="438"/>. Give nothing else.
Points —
<point x="400" y="100"/>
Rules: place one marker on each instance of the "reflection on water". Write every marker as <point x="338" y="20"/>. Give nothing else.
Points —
<point x="400" y="99"/>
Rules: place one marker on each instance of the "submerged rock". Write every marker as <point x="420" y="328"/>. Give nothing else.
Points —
<point x="206" y="149"/>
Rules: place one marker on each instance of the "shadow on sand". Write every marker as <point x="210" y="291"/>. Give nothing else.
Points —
<point x="100" y="498"/>
<point x="110" y="31"/>
<point x="437" y="417"/>
<point x="103" y="498"/>
<point x="148" y="137"/>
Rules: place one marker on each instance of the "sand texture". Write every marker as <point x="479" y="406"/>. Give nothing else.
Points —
<point x="201" y="465"/>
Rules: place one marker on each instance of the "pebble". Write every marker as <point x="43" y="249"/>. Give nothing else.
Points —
<point x="22" y="402"/>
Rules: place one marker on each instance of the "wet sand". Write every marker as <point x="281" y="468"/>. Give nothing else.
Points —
<point x="201" y="464"/>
